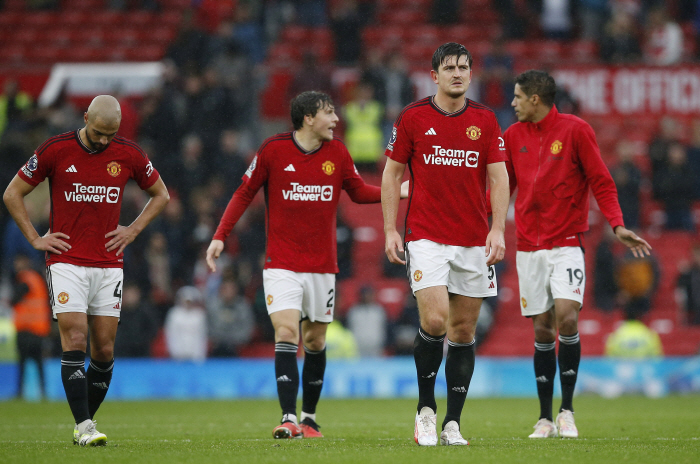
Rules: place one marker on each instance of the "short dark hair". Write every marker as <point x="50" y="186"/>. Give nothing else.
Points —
<point x="534" y="82"/>
<point x="308" y="103"/>
<point x="448" y="49"/>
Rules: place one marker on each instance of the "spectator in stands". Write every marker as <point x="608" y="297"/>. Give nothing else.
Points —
<point x="591" y="17"/>
<point x="402" y="331"/>
<point x="689" y="285"/>
<point x="15" y="107"/>
<point x="497" y="82"/>
<point x="62" y="116"/>
<point x="340" y="342"/>
<point x="637" y="280"/>
<point x="193" y="163"/>
<point x="345" y="240"/>
<point x="138" y="323"/>
<point x="677" y="189"/>
<point x="159" y="269"/>
<point x="556" y="19"/>
<point x="633" y="340"/>
<point x="619" y="42"/>
<point x="363" y="117"/>
<point x="311" y="13"/>
<point x="664" y="38"/>
<point x="175" y="226"/>
<point x="311" y="76"/>
<point x="346" y="25"/>
<point x="32" y="317"/>
<point x="604" y="284"/>
<point x="161" y="128"/>
<point x="189" y="49"/>
<point x="230" y="162"/>
<point x="247" y="31"/>
<point x="669" y="132"/>
<point x="368" y="323"/>
<point x="693" y="153"/>
<point x="186" y="326"/>
<point x="398" y="90"/>
<point x="628" y="179"/>
<point x="445" y="11"/>
<point x="234" y="69"/>
<point x="231" y="321"/>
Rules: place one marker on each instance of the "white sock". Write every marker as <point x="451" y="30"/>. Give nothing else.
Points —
<point x="83" y="425"/>
<point x="290" y="418"/>
<point x="304" y="415"/>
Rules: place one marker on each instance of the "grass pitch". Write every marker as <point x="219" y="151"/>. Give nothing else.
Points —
<point x="628" y="429"/>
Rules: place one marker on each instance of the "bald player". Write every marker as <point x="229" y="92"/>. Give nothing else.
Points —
<point x="87" y="170"/>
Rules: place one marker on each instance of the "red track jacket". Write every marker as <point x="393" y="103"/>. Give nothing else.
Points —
<point x="553" y="163"/>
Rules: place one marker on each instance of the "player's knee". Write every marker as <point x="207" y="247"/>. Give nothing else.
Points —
<point x="568" y="325"/>
<point x="315" y="344"/>
<point x="544" y="333"/>
<point x="463" y="333"/>
<point x="75" y="340"/>
<point x="102" y="353"/>
<point x="434" y="324"/>
<point x="286" y="334"/>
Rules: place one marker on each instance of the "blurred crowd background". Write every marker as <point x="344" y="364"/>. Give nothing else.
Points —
<point x="230" y="68"/>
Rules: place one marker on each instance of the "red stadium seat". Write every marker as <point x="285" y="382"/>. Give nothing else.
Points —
<point x="12" y="53"/>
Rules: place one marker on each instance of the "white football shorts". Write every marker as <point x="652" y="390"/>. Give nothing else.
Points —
<point x="95" y="291"/>
<point x="462" y="270"/>
<point x="312" y="294"/>
<point x="545" y="275"/>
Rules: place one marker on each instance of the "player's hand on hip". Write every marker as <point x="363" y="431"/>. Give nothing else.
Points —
<point x="52" y="242"/>
<point x="637" y="244"/>
<point x="394" y="243"/>
<point x="213" y="253"/>
<point x="121" y="237"/>
<point x="495" y="247"/>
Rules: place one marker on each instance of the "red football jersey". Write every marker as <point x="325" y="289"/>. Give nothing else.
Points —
<point x="302" y="190"/>
<point x="447" y="154"/>
<point x="86" y="192"/>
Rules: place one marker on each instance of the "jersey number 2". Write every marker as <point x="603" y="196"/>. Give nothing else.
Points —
<point x="330" y="300"/>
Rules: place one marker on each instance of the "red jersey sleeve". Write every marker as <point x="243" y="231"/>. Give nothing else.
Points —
<point x="400" y="146"/>
<point x="143" y="171"/>
<point x="598" y="175"/>
<point x="253" y="179"/>
<point x="37" y="168"/>
<point x="496" y="151"/>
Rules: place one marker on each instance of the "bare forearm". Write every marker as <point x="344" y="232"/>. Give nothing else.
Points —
<point x="14" y="201"/>
<point x="391" y="193"/>
<point x="500" y="197"/>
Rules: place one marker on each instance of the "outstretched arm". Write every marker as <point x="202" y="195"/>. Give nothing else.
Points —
<point x="14" y="200"/>
<point x="391" y="192"/>
<point x="638" y="245"/>
<point x="122" y="236"/>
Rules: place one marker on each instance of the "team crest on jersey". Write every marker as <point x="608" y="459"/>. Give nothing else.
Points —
<point x="328" y="168"/>
<point x="473" y="132"/>
<point x="63" y="298"/>
<point x="556" y="147"/>
<point x="269" y="300"/>
<point x="114" y="169"/>
<point x="417" y="276"/>
<point x="523" y="302"/>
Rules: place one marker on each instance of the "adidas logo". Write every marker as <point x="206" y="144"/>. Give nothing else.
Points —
<point x="283" y="378"/>
<point x="569" y="372"/>
<point x="524" y="149"/>
<point x="328" y="313"/>
<point x="117" y="306"/>
<point x="316" y="382"/>
<point x="577" y="291"/>
<point x="290" y="168"/>
<point x="101" y="385"/>
<point x="71" y="168"/>
<point x="431" y="375"/>
<point x="431" y="131"/>
<point x="76" y="375"/>
<point x="459" y="389"/>
<point x="492" y="285"/>
<point x="542" y="379"/>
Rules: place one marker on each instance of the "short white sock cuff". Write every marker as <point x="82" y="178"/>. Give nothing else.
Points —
<point x="304" y="415"/>
<point x="290" y="418"/>
<point x="545" y="346"/>
<point x="569" y="339"/>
